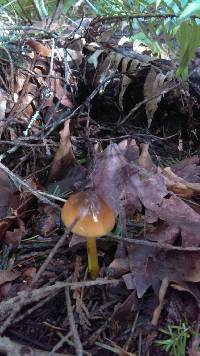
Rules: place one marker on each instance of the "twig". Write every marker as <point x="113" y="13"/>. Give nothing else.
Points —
<point x="50" y="256"/>
<point x="163" y="246"/>
<point x="27" y="297"/>
<point x="17" y="179"/>
<point x="35" y="307"/>
<point x="25" y="144"/>
<point x="11" y="348"/>
<point x="77" y="341"/>
<point x="137" y="106"/>
<point x="135" y="16"/>
<point x="134" y="135"/>
<point x="80" y="108"/>
<point x="130" y="338"/>
<point x="63" y="339"/>
<point x="10" y="318"/>
<point x="54" y="197"/>
<point x="162" y="293"/>
<point x="30" y="28"/>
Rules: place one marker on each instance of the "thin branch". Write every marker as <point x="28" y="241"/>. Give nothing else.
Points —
<point x="16" y="179"/>
<point x="50" y="256"/>
<point x="164" y="246"/>
<point x="77" y="341"/>
<point x="135" y="16"/>
<point x="32" y="296"/>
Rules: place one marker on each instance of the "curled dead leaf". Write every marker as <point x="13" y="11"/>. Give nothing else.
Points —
<point x="39" y="48"/>
<point x="153" y="87"/>
<point x="64" y="158"/>
<point x="145" y="160"/>
<point x="179" y="185"/>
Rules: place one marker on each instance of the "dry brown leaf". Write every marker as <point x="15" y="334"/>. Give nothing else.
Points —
<point x="39" y="76"/>
<point x="124" y="85"/>
<point x="48" y="220"/>
<point x="62" y="94"/>
<point x="20" y="80"/>
<point x="153" y="86"/>
<point x="116" y="176"/>
<point x="126" y="80"/>
<point x="145" y="160"/>
<point x="8" y="276"/>
<point x="179" y="185"/>
<point x="29" y="274"/>
<point x="125" y="311"/>
<point x="25" y="108"/>
<point x="149" y="265"/>
<point x="6" y="192"/>
<point x="39" y="48"/>
<point x="64" y="158"/>
<point x="188" y="169"/>
<point x="14" y="237"/>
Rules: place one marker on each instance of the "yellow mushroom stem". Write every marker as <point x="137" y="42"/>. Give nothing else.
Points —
<point x="93" y="264"/>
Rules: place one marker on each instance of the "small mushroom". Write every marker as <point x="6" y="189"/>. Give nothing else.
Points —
<point x="94" y="219"/>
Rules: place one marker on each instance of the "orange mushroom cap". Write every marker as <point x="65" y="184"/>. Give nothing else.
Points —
<point x="94" y="216"/>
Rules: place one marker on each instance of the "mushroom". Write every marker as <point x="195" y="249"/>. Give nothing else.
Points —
<point x="89" y="216"/>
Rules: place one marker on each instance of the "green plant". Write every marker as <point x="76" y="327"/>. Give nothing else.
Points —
<point x="176" y="339"/>
<point x="166" y="27"/>
<point x="169" y="28"/>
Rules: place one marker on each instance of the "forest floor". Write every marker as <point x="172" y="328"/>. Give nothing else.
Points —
<point x="77" y="113"/>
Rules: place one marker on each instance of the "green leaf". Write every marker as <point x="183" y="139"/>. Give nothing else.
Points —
<point x="68" y="4"/>
<point x="150" y="43"/>
<point x="158" y="2"/>
<point x="191" y="9"/>
<point x="188" y="38"/>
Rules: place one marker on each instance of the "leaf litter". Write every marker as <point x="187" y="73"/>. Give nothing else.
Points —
<point x="61" y="131"/>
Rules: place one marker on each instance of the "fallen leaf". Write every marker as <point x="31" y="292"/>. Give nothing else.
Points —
<point x="148" y="265"/>
<point x="124" y="85"/>
<point x="8" y="276"/>
<point x="153" y="87"/>
<point x="126" y="310"/>
<point x="14" y="237"/>
<point x="64" y="158"/>
<point x="179" y="185"/>
<point x="188" y="169"/>
<point x="111" y="175"/>
<point x="29" y="274"/>
<point x="145" y="160"/>
<point x="73" y="180"/>
<point x="6" y="192"/>
<point x="163" y="233"/>
<point x="128" y="67"/>
<point x="26" y="107"/>
<point x="48" y="220"/>
<point x="60" y="92"/>
<point x="39" y="48"/>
